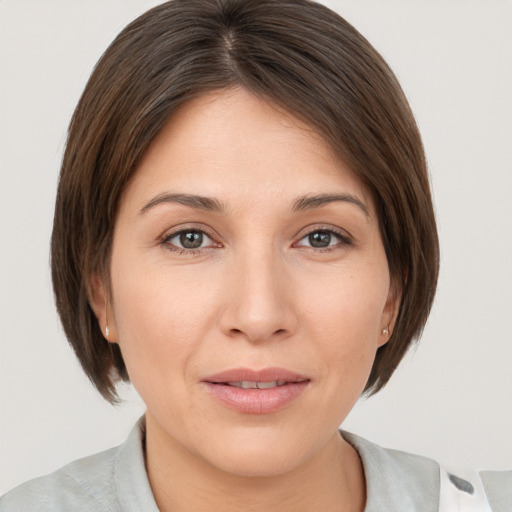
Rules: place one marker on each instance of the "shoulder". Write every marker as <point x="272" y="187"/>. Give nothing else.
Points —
<point x="409" y="482"/>
<point x="403" y="481"/>
<point x="85" y="484"/>
<point x="498" y="486"/>
<point x="110" y="481"/>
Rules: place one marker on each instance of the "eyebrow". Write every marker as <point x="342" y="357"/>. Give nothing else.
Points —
<point x="194" y="201"/>
<point x="303" y="203"/>
<point x="309" y="202"/>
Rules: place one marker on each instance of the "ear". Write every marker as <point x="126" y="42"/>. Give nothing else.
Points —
<point x="101" y="305"/>
<point x="390" y="313"/>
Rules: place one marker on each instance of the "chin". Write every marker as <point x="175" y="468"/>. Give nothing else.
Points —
<point x="262" y="464"/>
<point x="257" y="453"/>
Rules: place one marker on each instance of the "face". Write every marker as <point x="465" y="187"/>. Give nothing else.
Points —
<point x="250" y="286"/>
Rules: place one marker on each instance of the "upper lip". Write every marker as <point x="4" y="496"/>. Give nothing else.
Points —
<point x="263" y="375"/>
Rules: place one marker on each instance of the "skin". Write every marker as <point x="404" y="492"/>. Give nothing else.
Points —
<point x="256" y="294"/>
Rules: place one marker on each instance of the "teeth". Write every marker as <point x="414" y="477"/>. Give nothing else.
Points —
<point x="248" y="384"/>
<point x="266" y="385"/>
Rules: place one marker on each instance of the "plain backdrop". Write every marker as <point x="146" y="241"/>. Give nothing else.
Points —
<point x="450" y="399"/>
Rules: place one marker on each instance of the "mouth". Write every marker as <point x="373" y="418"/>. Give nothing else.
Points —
<point x="250" y="379"/>
<point x="248" y="384"/>
<point x="256" y="391"/>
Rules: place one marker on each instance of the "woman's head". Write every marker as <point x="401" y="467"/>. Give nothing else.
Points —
<point x="295" y="55"/>
<point x="245" y="254"/>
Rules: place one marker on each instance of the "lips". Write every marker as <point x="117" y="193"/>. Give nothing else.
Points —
<point x="256" y="391"/>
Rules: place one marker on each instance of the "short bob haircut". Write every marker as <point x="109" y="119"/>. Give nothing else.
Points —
<point x="296" y="54"/>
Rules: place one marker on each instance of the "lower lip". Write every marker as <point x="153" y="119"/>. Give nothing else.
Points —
<point x="256" y="401"/>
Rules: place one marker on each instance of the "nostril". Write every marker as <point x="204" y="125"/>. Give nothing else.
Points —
<point x="237" y="332"/>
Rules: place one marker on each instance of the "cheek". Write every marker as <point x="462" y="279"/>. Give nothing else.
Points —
<point x="350" y="304"/>
<point x="161" y="317"/>
<point x="345" y="320"/>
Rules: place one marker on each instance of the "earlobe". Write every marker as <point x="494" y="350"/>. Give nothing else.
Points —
<point x="97" y="295"/>
<point x="390" y="314"/>
<point x="100" y="304"/>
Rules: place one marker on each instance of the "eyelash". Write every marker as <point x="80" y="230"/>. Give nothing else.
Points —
<point x="343" y="241"/>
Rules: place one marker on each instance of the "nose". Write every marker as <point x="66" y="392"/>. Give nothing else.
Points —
<point x="260" y="300"/>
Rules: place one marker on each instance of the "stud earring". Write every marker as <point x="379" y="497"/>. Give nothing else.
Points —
<point x="385" y="332"/>
<point x="107" y="331"/>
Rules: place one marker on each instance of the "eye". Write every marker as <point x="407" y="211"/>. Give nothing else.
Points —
<point x="188" y="240"/>
<point x="323" y="239"/>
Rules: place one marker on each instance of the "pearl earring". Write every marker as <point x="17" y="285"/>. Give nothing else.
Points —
<point x="107" y="331"/>
<point x="385" y="332"/>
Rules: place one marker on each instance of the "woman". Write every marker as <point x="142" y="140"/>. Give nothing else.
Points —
<point x="257" y="247"/>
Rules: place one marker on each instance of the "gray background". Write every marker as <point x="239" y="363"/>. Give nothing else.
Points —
<point x="450" y="399"/>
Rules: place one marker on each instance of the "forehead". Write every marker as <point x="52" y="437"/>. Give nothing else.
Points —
<point x="234" y="145"/>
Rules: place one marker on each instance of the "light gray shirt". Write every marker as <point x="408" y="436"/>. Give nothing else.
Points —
<point x="116" y="481"/>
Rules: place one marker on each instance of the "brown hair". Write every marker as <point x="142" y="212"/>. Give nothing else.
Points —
<point x="295" y="53"/>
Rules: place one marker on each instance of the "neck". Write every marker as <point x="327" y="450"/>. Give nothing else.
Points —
<point x="181" y="481"/>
